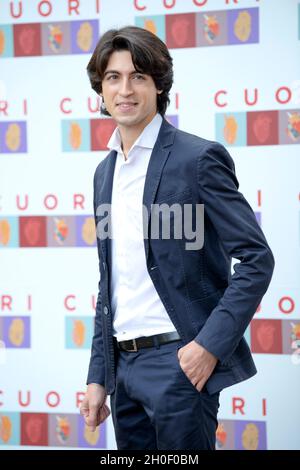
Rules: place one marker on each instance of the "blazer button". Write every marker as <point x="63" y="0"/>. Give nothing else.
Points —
<point x="105" y="310"/>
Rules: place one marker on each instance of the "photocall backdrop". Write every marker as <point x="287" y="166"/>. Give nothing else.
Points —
<point x="237" y="81"/>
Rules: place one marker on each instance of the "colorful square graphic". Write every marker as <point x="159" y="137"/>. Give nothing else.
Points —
<point x="10" y="429"/>
<point x="243" y="26"/>
<point x="89" y="439"/>
<point x="13" y="137"/>
<point x="290" y="336"/>
<point x="289" y="126"/>
<point x="247" y="335"/>
<point x="56" y="38"/>
<point x="101" y="130"/>
<point x="75" y="135"/>
<point x="84" y="36"/>
<point x="156" y="24"/>
<point x="79" y="332"/>
<point x="250" y="435"/>
<point x="6" y="40"/>
<point x="34" y="429"/>
<point x="225" y="435"/>
<point x="181" y="30"/>
<point x="63" y="430"/>
<point x="231" y="129"/>
<point x="262" y="128"/>
<point x="211" y="28"/>
<point x="9" y="232"/>
<point x="258" y="217"/>
<point x="85" y="231"/>
<point x="16" y="332"/>
<point x="172" y="119"/>
<point x="33" y="231"/>
<point x="61" y="231"/>
<point x="266" y="336"/>
<point x="27" y="39"/>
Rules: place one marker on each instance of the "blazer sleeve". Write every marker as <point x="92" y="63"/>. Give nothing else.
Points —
<point x="96" y="372"/>
<point x="241" y="238"/>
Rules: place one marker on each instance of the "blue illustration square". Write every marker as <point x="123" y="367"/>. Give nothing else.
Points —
<point x="7" y="40"/>
<point x="79" y="332"/>
<point x="76" y="135"/>
<point x="155" y="24"/>
<point x="231" y="129"/>
<point x="10" y="429"/>
<point x="9" y="232"/>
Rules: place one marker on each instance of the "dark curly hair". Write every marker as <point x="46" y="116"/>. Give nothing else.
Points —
<point x="149" y="55"/>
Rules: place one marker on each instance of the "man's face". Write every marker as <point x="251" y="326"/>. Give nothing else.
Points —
<point x="130" y="97"/>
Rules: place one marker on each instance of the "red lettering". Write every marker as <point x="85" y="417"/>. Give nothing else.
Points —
<point x="3" y="107"/>
<point x="12" y="10"/>
<point x="25" y="206"/>
<point x="254" y="100"/>
<point x="78" y="200"/>
<point x="290" y="308"/>
<point x="56" y="398"/>
<point x="6" y="301"/>
<point x="279" y="92"/>
<point x="48" y="8"/>
<point x="47" y="201"/>
<point x="238" y="405"/>
<point x="66" y="302"/>
<point x="217" y="103"/>
<point x="139" y="7"/>
<point x="28" y="400"/>
<point x="62" y="104"/>
<point x="73" y="6"/>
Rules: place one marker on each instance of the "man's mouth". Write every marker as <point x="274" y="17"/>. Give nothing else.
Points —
<point x="126" y="106"/>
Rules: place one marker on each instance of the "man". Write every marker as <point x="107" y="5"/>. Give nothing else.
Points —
<point x="169" y="319"/>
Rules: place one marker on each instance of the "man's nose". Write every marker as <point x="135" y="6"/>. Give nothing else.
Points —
<point x="125" y="87"/>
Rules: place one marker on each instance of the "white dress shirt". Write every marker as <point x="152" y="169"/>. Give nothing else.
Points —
<point x="136" y="306"/>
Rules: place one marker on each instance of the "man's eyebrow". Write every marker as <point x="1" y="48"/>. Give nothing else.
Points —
<point x="117" y="72"/>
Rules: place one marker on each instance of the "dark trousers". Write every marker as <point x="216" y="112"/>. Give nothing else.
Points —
<point x="156" y="407"/>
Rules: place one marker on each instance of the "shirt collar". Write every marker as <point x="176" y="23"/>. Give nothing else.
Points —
<point x="146" y="139"/>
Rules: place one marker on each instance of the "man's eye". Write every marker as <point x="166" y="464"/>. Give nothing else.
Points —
<point x="112" y="77"/>
<point x="139" y="77"/>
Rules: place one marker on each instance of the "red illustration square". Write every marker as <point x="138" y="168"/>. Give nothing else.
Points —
<point x="34" y="429"/>
<point x="262" y="128"/>
<point x="181" y="30"/>
<point x="27" y="39"/>
<point x="101" y="130"/>
<point x="266" y="336"/>
<point x="33" y="231"/>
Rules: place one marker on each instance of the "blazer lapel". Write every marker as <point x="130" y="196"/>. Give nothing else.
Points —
<point x="104" y="197"/>
<point x="159" y="156"/>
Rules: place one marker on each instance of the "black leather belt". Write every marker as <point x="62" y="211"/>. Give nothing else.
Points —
<point x="133" y="345"/>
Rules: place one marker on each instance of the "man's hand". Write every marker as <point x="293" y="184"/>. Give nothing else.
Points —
<point x="93" y="407"/>
<point x="197" y="363"/>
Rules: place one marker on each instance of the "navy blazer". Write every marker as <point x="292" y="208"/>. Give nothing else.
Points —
<point x="205" y="302"/>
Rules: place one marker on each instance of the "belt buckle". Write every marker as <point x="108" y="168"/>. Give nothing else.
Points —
<point x="134" y="346"/>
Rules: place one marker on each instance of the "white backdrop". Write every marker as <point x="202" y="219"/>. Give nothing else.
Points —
<point x="49" y="267"/>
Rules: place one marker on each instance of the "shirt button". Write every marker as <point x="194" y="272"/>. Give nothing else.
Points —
<point x="105" y="310"/>
<point x="104" y="265"/>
